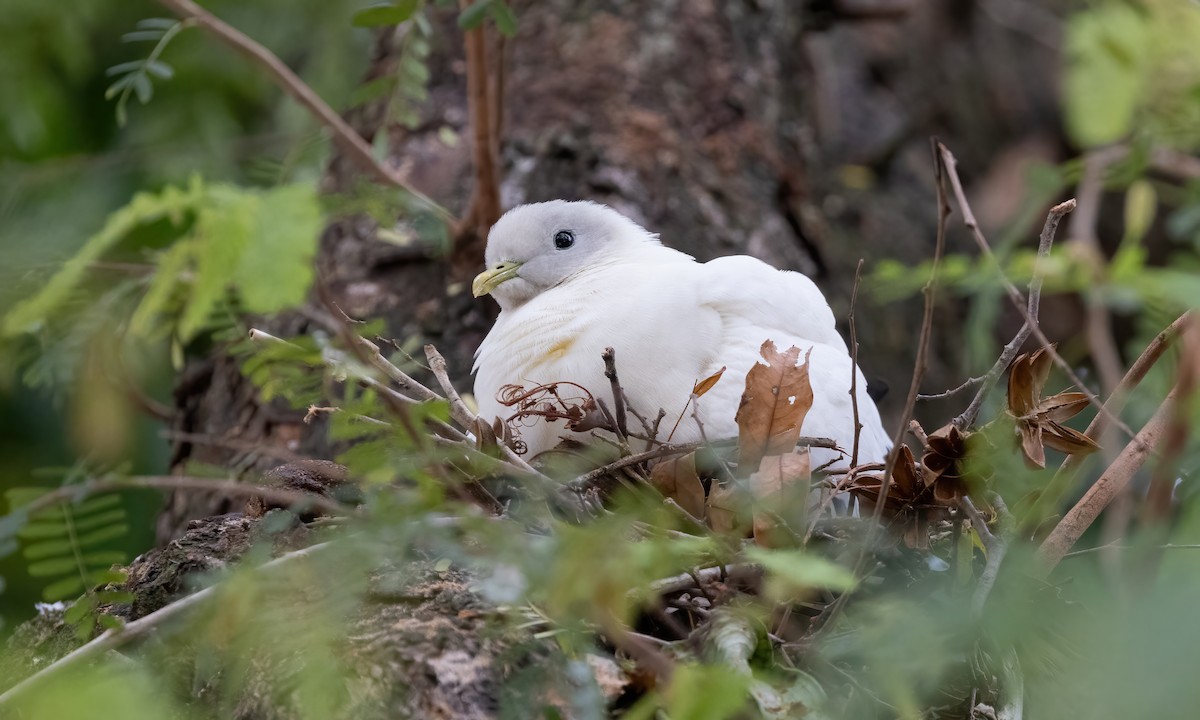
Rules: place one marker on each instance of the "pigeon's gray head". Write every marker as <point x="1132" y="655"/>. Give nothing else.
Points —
<point x="538" y="246"/>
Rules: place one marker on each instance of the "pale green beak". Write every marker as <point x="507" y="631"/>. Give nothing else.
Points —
<point x="490" y="279"/>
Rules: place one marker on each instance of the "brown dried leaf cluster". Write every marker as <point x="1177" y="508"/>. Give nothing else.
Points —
<point x="922" y="492"/>
<point x="1039" y="420"/>
<point x="773" y="406"/>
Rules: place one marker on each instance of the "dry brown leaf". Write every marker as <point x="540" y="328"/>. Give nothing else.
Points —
<point x="1032" y="443"/>
<point x="707" y="383"/>
<point x="1061" y="407"/>
<point x="1038" y="419"/>
<point x="1068" y="440"/>
<point x="777" y="397"/>
<point x="723" y="509"/>
<point x="1026" y="378"/>
<point x="776" y="474"/>
<point x="677" y="479"/>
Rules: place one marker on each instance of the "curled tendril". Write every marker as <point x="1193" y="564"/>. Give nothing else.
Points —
<point x="581" y="412"/>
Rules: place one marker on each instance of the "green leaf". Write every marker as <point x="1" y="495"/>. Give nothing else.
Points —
<point x="505" y="19"/>
<point x="471" y="18"/>
<point x="1106" y="53"/>
<point x="108" y="576"/>
<point x="160" y="69"/>
<point x="79" y="609"/>
<point x="123" y="68"/>
<point x="97" y="503"/>
<point x="48" y="548"/>
<point x="792" y="571"/>
<point x="142" y="35"/>
<point x="703" y="692"/>
<point x="69" y="586"/>
<point x="171" y="202"/>
<point x="103" y="535"/>
<point x="379" y="16"/>
<point x="53" y="568"/>
<point x="143" y="87"/>
<point x="171" y="265"/>
<point x="121" y="83"/>
<point x="275" y="269"/>
<point x="156" y="24"/>
<point x="115" y="597"/>
<point x="105" y="558"/>
<point x="43" y="529"/>
<point x="225" y="226"/>
<point x="110" y="622"/>
<point x="1141" y="202"/>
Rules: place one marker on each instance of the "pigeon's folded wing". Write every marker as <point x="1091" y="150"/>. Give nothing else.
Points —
<point x="747" y="290"/>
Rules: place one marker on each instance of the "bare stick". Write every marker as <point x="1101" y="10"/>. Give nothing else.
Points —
<point x="1014" y="294"/>
<point x="997" y="548"/>
<point x="854" y="364"/>
<point x="291" y="83"/>
<point x="967" y="384"/>
<point x="1079" y="518"/>
<point x="1065" y="476"/>
<point x="110" y="640"/>
<point x="485" y="197"/>
<point x="610" y="372"/>
<point x="1032" y="308"/>
<point x="458" y="409"/>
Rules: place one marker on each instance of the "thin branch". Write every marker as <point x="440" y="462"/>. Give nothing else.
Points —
<point x="966" y="385"/>
<point x="291" y="83"/>
<point x="110" y="640"/>
<point x="1065" y="476"/>
<point x="1014" y="294"/>
<point x="854" y="364"/>
<point x="997" y="548"/>
<point x="485" y="196"/>
<point x="1080" y="517"/>
<point x="458" y="409"/>
<point x="610" y="371"/>
<point x="1032" y="308"/>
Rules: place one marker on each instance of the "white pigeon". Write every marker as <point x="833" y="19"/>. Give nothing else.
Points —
<point x="573" y="278"/>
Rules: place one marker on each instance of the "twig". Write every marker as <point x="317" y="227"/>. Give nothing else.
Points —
<point x="458" y="409"/>
<point x="1080" y="517"/>
<point x="1115" y="546"/>
<point x="110" y="640"/>
<point x="854" y="364"/>
<point x="1065" y="476"/>
<point x="1083" y="235"/>
<point x="610" y="372"/>
<point x="484" y="209"/>
<point x="358" y="148"/>
<point x="1014" y="294"/>
<point x="1032" y="308"/>
<point x="977" y="521"/>
<point x="997" y="547"/>
<point x="968" y="383"/>
<point x="581" y="483"/>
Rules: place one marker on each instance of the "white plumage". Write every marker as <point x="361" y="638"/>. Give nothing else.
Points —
<point x="573" y="278"/>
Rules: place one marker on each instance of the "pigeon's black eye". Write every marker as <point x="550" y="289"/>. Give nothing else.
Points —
<point x="564" y="239"/>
